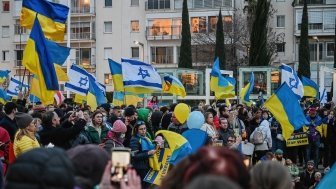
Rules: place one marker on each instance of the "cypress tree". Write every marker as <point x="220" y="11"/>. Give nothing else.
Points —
<point x="185" y="60"/>
<point x="304" y="59"/>
<point x="220" y="49"/>
<point x="259" y="54"/>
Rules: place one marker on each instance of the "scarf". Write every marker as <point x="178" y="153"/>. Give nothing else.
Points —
<point x="146" y="143"/>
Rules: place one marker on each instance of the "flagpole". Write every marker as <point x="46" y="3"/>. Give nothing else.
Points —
<point x="124" y="96"/>
<point x="68" y="41"/>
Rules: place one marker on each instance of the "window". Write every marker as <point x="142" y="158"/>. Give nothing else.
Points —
<point x="330" y="49"/>
<point x="280" y="47"/>
<point x="83" y="57"/>
<point x="198" y="24"/>
<point x="160" y="27"/>
<point x="5" y="56"/>
<point x="313" y="51"/>
<point x="5" y="6"/>
<point x="157" y="4"/>
<point x="18" y="57"/>
<point x="280" y="0"/>
<point x="108" y="27"/>
<point x="134" y="2"/>
<point x="107" y="79"/>
<point x="5" y="31"/>
<point x="107" y="52"/>
<point x="81" y="6"/>
<point x="227" y="23"/>
<point x="108" y="3"/>
<point x="212" y="23"/>
<point x="80" y="30"/>
<point x="135" y="52"/>
<point x="162" y="55"/>
<point x="19" y="30"/>
<point x="135" y="25"/>
<point x="281" y="21"/>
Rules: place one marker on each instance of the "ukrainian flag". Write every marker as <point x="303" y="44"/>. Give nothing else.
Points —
<point x="39" y="90"/>
<point x="218" y="83"/>
<point x="3" y="75"/>
<point x="52" y="17"/>
<point x="310" y="88"/>
<point x="117" y="77"/>
<point x="232" y="93"/>
<point x="178" y="145"/>
<point x="4" y="97"/>
<point x="285" y="107"/>
<point x="128" y="99"/>
<point x="173" y="85"/>
<point x="246" y="91"/>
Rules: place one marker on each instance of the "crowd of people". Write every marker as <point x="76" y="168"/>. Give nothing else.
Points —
<point x="69" y="146"/>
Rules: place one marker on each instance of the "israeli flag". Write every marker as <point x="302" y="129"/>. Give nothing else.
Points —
<point x="14" y="87"/>
<point x="78" y="80"/>
<point x="140" y="74"/>
<point x="289" y="76"/>
<point x="323" y="95"/>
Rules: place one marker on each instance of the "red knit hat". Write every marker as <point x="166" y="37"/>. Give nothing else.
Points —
<point x="119" y="127"/>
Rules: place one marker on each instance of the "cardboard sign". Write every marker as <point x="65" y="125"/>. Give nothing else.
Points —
<point x="298" y="139"/>
<point x="155" y="177"/>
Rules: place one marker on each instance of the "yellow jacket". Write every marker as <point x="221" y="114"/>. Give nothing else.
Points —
<point x="24" y="144"/>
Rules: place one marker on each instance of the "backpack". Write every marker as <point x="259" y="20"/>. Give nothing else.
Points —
<point x="258" y="137"/>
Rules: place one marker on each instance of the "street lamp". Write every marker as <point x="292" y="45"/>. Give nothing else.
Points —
<point x="318" y="59"/>
<point x="142" y="49"/>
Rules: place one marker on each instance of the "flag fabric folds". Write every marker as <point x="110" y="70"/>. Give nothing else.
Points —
<point x="246" y="91"/>
<point x="173" y="85"/>
<point x="58" y="53"/>
<point x="285" y="107"/>
<point x="37" y="59"/>
<point x="178" y="145"/>
<point x="328" y="181"/>
<point x="141" y="77"/>
<point x="52" y="17"/>
<point x="34" y="99"/>
<point x="39" y="90"/>
<point x="289" y="76"/>
<point x="3" y="75"/>
<point x="218" y="83"/>
<point x="119" y="98"/>
<point x="59" y="97"/>
<point x="310" y="88"/>
<point x="117" y="76"/>
<point x="323" y="96"/>
<point x="4" y="97"/>
<point x="15" y="86"/>
<point x="79" y="81"/>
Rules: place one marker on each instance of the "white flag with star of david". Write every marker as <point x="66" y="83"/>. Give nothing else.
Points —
<point x="139" y="74"/>
<point x="78" y="80"/>
<point x="15" y="86"/>
<point x="289" y="76"/>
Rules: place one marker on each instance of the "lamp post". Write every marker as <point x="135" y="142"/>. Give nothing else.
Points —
<point x="142" y="49"/>
<point x="318" y="59"/>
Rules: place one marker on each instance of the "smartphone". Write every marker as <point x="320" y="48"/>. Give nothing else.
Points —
<point x="121" y="161"/>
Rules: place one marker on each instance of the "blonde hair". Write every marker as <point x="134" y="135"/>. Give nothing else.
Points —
<point x="23" y="132"/>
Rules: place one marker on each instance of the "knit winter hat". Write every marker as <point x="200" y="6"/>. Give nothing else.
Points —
<point x="119" y="127"/>
<point x="278" y="152"/>
<point x="311" y="162"/>
<point x="23" y="119"/>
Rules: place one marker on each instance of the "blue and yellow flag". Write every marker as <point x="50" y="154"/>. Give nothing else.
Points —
<point x="37" y="59"/>
<point x="39" y="90"/>
<point x="173" y="85"/>
<point x="218" y="83"/>
<point x="117" y="77"/>
<point x="328" y="181"/>
<point x="285" y="107"/>
<point x="52" y="17"/>
<point x="310" y="88"/>
<point x="246" y="91"/>
<point x="128" y="99"/>
<point x="3" y="75"/>
<point x="4" y="97"/>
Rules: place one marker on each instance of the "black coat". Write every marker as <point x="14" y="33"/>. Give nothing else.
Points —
<point x="10" y="126"/>
<point x="225" y="134"/>
<point x="61" y="136"/>
<point x="140" y="158"/>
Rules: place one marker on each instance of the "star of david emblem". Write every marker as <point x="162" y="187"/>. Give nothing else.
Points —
<point x="143" y="73"/>
<point x="83" y="81"/>
<point x="17" y="89"/>
<point x="293" y="83"/>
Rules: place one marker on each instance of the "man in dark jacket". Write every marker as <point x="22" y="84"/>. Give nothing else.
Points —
<point x="307" y="178"/>
<point x="8" y="122"/>
<point x="225" y="132"/>
<point x="59" y="136"/>
<point x="129" y="113"/>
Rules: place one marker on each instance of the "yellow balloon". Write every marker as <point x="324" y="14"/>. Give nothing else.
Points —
<point x="181" y="112"/>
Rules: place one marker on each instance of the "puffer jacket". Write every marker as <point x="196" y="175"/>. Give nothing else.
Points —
<point x="140" y="158"/>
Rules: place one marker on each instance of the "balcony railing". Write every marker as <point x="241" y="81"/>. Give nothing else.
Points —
<point x="318" y="28"/>
<point x="311" y="2"/>
<point x="163" y="33"/>
<point x="18" y="63"/>
<point x="163" y="59"/>
<point x="84" y="35"/>
<point x="82" y="9"/>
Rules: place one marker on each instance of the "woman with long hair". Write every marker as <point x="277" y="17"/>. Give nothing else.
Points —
<point x="209" y="127"/>
<point x="25" y="139"/>
<point x="97" y="131"/>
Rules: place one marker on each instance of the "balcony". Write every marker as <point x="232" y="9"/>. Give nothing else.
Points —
<point x="82" y="10"/>
<point x="315" y="2"/>
<point x="163" y="32"/>
<point x="83" y="36"/>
